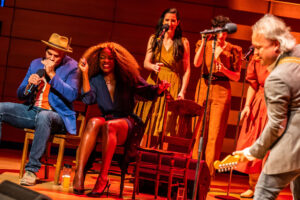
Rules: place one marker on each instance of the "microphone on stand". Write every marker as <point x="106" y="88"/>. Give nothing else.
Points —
<point x="249" y="53"/>
<point x="32" y="87"/>
<point x="164" y="28"/>
<point x="229" y="28"/>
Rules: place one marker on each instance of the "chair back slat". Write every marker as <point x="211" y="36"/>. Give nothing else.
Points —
<point x="183" y="139"/>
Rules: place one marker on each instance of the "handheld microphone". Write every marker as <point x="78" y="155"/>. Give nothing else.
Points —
<point x="248" y="54"/>
<point x="164" y="28"/>
<point x="32" y="87"/>
<point x="229" y="28"/>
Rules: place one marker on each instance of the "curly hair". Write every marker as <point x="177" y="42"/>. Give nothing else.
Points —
<point x="178" y="45"/>
<point x="220" y="21"/>
<point x="273" y="28"/>
<point x="126" y="66"/>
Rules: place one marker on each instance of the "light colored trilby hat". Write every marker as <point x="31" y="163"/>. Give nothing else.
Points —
<point x="59" y="42"/>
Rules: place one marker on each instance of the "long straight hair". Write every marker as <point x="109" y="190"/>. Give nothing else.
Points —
<point x="178" y="45"/>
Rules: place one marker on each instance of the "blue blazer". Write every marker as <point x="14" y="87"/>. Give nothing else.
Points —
<point x="63" y="91"/>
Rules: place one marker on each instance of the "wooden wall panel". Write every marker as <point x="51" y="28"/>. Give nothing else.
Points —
<point x="4" y="43"/>
<point x="244" y="32"/>
<point x="236" y="88"/>
<point x="228" y="146"/>
<point x="232" y="119"/>
<point x="38" y="25"/>
<point x="290" y="10"/>
<point x="144" y="13"/>
<point x="6" y="17"/>
<point x="103" y="9"/>
<point x="22" y="52"/>
<point x="21" y="55"/>
<point x="9" y="3"/>
<point x="194" y="17"/>
<point x="238" y="16"/>
<point x="13" y="79"/>
<point x="297" y="36"/>
<point x="78" y="52"/>
<point x="255" y="6"/>
<point x="211" y="3"/>
<point x="132" y="37"/>
<point x="2" y="79"/>
<point x="140" y="59"/>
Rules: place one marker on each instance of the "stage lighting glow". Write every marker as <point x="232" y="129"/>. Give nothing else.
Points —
<point x="2" y="3"/>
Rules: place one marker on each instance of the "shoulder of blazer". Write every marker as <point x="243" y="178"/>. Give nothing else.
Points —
<point x="289" y="60"/>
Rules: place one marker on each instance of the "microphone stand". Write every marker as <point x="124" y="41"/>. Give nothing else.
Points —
<point x="200" y="148"/>
<point x="148" y="141"/>
<point x="201" y="71"/>
<point x="246" y="58"/>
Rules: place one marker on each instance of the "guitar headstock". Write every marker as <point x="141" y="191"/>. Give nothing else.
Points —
<point x="227" y="163"/>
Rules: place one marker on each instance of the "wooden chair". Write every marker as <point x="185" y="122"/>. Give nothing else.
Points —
<point x="61" y="140"/>
<point x="170" y="162"/>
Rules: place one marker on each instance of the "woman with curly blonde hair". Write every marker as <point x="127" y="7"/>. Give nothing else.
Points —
<point x="111" y="79"/>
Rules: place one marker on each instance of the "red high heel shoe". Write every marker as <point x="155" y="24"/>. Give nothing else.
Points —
<point x="99" y="194"/>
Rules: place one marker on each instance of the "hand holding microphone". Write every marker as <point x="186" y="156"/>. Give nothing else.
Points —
<point x="33" y="81"/>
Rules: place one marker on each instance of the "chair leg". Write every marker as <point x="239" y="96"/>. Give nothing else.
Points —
<point x="170" y="179"/>
<point x="185" y="186"/>
<point x="133" y="192"/>
<point x="157" y="176"/>
<point x="47" y="157"/>
<point x="77" y="158"/>
<point x="24" y="156"/>
<point x="122" y="183"/>
<point x="137" y="175"/>
<point x="59" y="161"/>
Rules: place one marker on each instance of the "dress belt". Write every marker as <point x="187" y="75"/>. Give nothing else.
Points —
<point x="215" y="78"/>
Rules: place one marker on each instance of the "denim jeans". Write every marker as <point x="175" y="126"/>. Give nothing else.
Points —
<point x="43" y="121"/>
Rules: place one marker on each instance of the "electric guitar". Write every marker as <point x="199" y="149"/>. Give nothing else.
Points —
<point x="227" y="163"/>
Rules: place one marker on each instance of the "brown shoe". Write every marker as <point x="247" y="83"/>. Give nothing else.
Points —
<point x="28" y="179"/>
<point x="247" y="194"/>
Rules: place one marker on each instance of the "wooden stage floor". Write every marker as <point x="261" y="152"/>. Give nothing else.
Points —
<point x="10" y="164"/>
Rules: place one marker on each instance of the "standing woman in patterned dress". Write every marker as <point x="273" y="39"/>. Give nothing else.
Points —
<point x="171" y="64"/>
<point x="226" y="67"/>
<point x="255" y="118"/>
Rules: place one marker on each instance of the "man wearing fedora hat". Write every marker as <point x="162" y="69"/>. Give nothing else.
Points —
<point x="49" y="88"/>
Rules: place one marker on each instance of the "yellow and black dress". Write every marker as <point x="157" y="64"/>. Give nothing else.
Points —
<point x="170" y="72"/>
